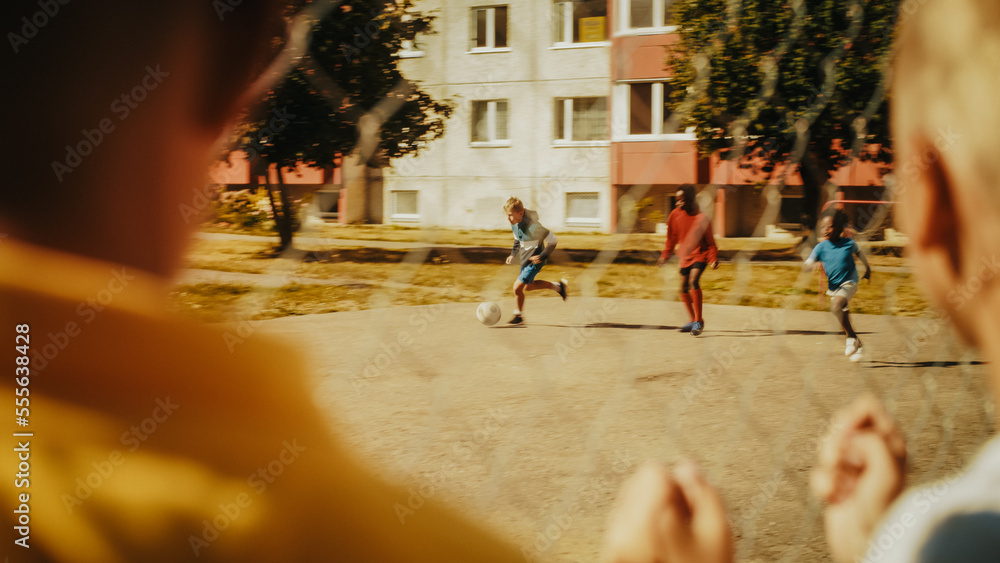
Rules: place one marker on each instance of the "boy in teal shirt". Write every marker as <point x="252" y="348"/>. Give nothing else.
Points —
<point x="837" y="253"/>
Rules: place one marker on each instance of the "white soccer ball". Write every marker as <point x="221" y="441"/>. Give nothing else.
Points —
<point x="488" y="313"/>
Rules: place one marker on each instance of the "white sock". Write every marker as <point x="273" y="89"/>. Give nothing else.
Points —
<point x="517" y="311"/>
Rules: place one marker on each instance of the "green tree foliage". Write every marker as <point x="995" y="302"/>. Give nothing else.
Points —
<point x="774" y="81"/>
<point x="347" y="82"/>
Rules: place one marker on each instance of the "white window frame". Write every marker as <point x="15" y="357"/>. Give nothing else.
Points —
<point x="409" y="51"/>
<point x="567" y="138"/>
<point x="565" y="39"/>
<point x="659" y="19"/>
<point x="491" y="35"/>
<point x="583" y="221"/>
<point x="409" y="48"/>
<point x="404" y="217"/>
<point x="491" y="125"/>
<point x="621" y="114"/>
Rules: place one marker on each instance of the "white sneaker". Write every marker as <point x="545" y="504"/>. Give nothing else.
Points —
<point x="852" y="346"/>
<point x="856" y="357"/>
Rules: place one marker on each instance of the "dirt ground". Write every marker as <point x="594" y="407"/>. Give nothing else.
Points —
<point x="530" y="430"/>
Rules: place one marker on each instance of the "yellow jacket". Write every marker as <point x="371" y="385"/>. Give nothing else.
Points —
<point x="151" y="438"/>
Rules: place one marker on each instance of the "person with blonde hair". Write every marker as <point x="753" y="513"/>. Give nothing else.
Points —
<point x="533" y="244"/>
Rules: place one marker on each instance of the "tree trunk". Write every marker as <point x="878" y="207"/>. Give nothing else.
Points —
<point x="280" y="209"/>
<point x="815" y="173"/>
<point x="285" y="226"/>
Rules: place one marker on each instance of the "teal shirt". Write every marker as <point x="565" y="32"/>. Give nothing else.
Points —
<point x="838" y="261"/>
<point x="529" y="238"/>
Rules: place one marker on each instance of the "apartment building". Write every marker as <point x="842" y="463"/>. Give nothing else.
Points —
<point x="530" y="80"/>
<point x="562" y="103"/>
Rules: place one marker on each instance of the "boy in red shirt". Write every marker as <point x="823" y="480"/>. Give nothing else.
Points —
<point x="691" y="228"/>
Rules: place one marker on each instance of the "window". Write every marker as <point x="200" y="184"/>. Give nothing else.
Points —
<point x="580" y="21"/>
<point x="410" y="49"/>
<point x="583" y="209"/>
<point x="640" y="105"/>
<point x="404" y="206"/>
<point x="489" y="122"/>
<point x="641" y="110"/>
<point x="489" y="28"/>
<point x="581" y="119"/>
<point x="644" y="14"/>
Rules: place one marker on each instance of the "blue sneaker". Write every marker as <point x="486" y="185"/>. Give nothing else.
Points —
<point x="688" y="327"/>
<point x="697" y="328"/>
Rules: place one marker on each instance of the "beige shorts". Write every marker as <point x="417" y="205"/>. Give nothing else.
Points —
<point x="846" y="290"/>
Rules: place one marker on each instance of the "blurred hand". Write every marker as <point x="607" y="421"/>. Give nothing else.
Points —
<point x="859" y="475"/>
<point x="868" y="275"/>
<point x="661" y="261"/>
<point x="509" y="259"/>
<point x="665" y="515"/>
<point x="535" y="259"/>
<point x="715" y="265"/>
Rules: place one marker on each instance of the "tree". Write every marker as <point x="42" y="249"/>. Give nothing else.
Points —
<point x="779" y="81"/>
<point x="345" y="94"/>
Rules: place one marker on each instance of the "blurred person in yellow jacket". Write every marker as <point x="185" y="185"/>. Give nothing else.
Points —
<point x="112" y="113"/>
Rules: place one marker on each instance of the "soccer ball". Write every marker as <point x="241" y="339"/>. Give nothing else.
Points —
<point x="488" y="313"/>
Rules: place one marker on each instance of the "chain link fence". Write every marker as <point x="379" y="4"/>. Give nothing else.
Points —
<point x="531" y="431"/>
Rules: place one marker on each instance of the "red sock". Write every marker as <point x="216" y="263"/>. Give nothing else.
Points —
<point x="686" y="298"/>
<point x="696" y="298"/>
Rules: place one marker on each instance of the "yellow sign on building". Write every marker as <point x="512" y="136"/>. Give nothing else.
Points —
<point x="592" y="29"/>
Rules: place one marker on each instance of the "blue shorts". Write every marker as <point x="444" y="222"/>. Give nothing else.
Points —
<point x="528" y="272"/>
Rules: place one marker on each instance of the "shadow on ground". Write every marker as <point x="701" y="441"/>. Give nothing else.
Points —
<point x="914" y="365"/>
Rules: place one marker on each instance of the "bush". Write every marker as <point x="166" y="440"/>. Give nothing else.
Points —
<point x="244" y="209"/>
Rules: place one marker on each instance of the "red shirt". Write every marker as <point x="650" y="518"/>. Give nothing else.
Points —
<point x="694" y="232"/>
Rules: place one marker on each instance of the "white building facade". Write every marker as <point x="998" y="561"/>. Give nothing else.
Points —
<point x="530" y="83"/>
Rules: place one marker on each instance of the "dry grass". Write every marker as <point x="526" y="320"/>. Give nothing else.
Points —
<point x="374" y="277"/>
<point x="502" y="237"/>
